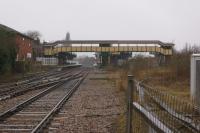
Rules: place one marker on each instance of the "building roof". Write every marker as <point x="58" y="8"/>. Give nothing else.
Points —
<point x="111" y="42"/>
<point x="6" y="28"/>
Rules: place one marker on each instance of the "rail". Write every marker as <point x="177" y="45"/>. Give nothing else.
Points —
<point x="18" y="107"/>
<point x="43" y="80"/>
<point x="60" y="98"/>
<point x="46" y="120"/>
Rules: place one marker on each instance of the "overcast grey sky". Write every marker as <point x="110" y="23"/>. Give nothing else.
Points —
<point x="165" y="20"/>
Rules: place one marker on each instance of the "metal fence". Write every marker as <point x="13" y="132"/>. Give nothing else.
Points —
<point x="158" y="111"/>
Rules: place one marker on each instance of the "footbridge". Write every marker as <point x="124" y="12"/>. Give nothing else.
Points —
<point x="112" y="46"/>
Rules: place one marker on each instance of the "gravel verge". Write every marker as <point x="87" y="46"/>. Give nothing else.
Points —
<point x="95" y="107"/>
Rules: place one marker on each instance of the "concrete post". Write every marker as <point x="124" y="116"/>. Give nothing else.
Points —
<point x="109" y="59"/>
<point x="129" y="103"/>
<point x="101" y="59"/>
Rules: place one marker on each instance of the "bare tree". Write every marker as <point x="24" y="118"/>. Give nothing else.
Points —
<point x="36" y="35"/>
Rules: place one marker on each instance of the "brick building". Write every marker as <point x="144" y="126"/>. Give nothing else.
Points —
<point x="25" y="45"/>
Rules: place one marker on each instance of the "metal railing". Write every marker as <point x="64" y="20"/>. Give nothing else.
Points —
<point x="157" y="111"/>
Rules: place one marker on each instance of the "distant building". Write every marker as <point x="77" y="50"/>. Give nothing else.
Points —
<point x="37" y="49"/>
<point x="67" y="36"/>
<point x="25" y="45"/>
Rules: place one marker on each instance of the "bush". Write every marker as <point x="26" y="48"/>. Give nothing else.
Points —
<point x="7" y="51"/>
<point x="140" y="65"/>
<point x="177" y="68"/>
<point x="22" y="66"/>
<point x="180" y="62"/>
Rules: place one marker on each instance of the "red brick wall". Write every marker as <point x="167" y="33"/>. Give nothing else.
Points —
<point x="24" y="46"/>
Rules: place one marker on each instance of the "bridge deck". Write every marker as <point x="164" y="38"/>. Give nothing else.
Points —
<point x="157" y="49"/>
<point x="112" y="42"/>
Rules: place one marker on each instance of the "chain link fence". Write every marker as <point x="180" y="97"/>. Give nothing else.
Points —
<point x="157" y="111"/>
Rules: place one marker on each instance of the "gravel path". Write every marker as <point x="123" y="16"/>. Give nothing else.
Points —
<point x="94" y="108"/>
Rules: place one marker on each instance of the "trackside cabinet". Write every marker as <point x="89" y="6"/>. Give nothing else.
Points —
<point x="195" y="78"/>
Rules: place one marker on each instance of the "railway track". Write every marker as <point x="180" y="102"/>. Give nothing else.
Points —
<point x="34" y="114"/>
<point x="41" y="81"/>
<point x="29" y="79"/>
<point x="26" y="79"/>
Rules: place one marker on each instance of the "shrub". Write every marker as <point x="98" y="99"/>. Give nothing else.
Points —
<point x="7" y="51"/>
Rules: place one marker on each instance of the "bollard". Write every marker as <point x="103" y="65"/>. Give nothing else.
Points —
<point x="129" y="104"/>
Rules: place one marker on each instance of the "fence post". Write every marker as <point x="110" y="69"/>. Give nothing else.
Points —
<point x="129" y="104"/>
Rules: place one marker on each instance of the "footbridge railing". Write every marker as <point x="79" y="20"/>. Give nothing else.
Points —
<point x="112" y="46"/>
